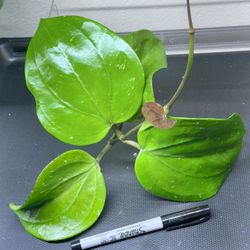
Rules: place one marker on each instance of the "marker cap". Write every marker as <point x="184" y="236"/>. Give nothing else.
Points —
<point x="76" y="245"/>
<point x="186" y="218"/>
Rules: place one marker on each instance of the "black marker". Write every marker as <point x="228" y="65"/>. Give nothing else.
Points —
<point x="171" y="221"/>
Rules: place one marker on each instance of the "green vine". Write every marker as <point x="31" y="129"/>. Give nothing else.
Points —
<point x="85" y="77"/>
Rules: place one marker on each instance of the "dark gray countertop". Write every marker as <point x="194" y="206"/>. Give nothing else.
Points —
<point x="219" y="85"/>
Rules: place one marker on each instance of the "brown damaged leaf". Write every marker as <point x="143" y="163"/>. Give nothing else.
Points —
<point x="154" y="113"/>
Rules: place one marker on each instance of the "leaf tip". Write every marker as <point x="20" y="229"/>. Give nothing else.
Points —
<point x="13" y="206"/>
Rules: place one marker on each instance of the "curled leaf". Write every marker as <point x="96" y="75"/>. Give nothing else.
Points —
<point x="67" y="198"/>
<point x="154" y="113"/>
<point x="190" y="161"/>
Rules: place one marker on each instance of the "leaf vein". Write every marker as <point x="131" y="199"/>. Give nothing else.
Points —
<point x="53" y="93"/>
<point x="77" y="77"/>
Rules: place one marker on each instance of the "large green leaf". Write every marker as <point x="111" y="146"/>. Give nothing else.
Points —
<point x="190" y="161"/>
<point x="85" y="78"/>
<point x="67" y="198"/>
<point x="150" y="49"/>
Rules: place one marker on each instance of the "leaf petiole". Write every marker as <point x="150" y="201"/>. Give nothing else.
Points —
<point x="131" y="131"/>
<point x="133" y="144"/>
<point x="117" y="131"/>
<point x="119" y="136"/>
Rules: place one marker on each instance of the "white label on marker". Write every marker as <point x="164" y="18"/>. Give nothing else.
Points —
<point x="122" y="233"/>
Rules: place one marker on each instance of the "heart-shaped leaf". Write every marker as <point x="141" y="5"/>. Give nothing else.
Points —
<point x="84" y="77"/>
<point x="67" y="198"/>
<point x="150" y="49"/>
<point x="190" y="161"/>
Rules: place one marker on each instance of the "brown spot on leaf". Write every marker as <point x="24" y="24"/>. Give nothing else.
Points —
<point x="154" y="113"/>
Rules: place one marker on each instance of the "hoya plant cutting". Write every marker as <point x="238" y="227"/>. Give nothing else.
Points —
<point x="88" y="81"/>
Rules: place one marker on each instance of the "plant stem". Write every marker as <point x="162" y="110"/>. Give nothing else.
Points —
<point x="131" y="131"/>
<point x="117" y="132"/>
<point x="169" y="105"/>
<point x="118" y="136"/>
<point x="106" y="148"/>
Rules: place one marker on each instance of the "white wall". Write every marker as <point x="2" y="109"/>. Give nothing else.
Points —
<point x="127" y="15"/>
<point x="20" y="17"/>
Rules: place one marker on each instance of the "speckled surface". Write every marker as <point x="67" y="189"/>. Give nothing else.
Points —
<point x="219" y="85"/>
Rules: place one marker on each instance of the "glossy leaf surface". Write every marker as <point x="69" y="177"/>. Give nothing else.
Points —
<point x="84" y="77"/>
<point x="190" y="161"/>
<point x="67" y="198"/>
<point x="151" y="52"/>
